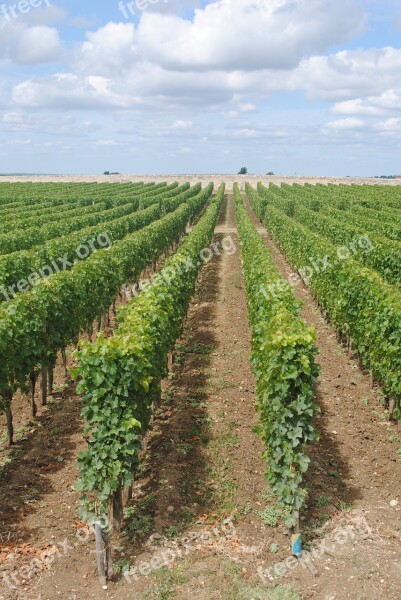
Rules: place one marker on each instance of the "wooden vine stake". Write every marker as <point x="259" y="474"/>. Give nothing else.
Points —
<point x="43" y="386"/>
<point x="170" y="360"/>
<point x="127" y="493"/>
<point x="103" y="321"/>
<point x="64" y="358"/>
<point x="391" y="408"/>
<point x="100" y="555"/>
<point x="33" y="377"/>
<point x="118" y="509"/>
<point x="8" y="398"/>
<point x="158" y="397"/>
<point x="109" y="560"/>
<point x="296" y="544"/>
<point x="50" y="381"/>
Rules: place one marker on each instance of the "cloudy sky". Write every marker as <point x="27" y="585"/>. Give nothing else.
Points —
<point x="186" y="86"/>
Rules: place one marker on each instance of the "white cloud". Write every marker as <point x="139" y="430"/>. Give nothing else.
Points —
<point x="248" y="34"/>
<point x="348" y="74"/>
<point x="390" y="126"/>
<point x="180" y="124"/>
<point x="349" y="123"/>
<point x="247" y="108"/>
<point x="38" y="44"/>
<point x="388" y="101"/>
<point x="161" y="57"/>
<point x="29" y="45"/>
<point x="67" y="90"/>
<point x="112" y="54"/>
<point x="231" y="114"/>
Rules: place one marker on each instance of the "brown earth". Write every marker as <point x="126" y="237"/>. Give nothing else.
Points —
<point x="204" y="465"/>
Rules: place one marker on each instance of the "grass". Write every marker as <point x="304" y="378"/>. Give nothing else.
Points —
<point x="345" y="506"/>
<point x="245" y="510"/>
<point x="224" y="492"/>
<point x="323" y="517"/>
<point x="220" y="385"/>
<point x="284" y="592"/>
<point x="230" y="440"/>
<point x="13" y="454"/>
<point x="271" y="515"/>
<point x="139" y="522"/>
<point x="334" y="473"/>
<point x="323" y="501"/>
<point x="173" y="531"/>
<point x="121" y="566"/>
<point x="165" y="583"/>
<point x="233" y="587"/>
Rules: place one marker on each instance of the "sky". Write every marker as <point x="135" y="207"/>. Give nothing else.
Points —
<point x="305" y="87"/>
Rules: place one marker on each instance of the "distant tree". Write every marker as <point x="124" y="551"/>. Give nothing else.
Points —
<point x="106" y="173"/>
<point x="243" y="171"/>
<point x="270" y="173"/>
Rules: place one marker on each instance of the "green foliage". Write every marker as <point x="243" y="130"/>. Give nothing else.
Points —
<point x="120" y="222"/>
<point x="357" y="299"/>
<point x="121" y="375"/>
<point x="283" y="359"/>
<point x="36" y="324"/>
<point x="323" y="501"/>
<point x="271" y="515"/>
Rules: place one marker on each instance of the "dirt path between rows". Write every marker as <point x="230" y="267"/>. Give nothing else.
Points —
<point x="354" y="468"/>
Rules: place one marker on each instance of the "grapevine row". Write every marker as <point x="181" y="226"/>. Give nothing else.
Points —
<point x="25" y="239"/>
<point x="121" y="375"/>
<point x="357" y="300"/>
<point x="284" y="364"/>
<point x="37" y="324"/>
<point x="18" y="270"/>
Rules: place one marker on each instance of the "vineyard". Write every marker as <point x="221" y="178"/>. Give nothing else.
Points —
<point x="209" y="376"/>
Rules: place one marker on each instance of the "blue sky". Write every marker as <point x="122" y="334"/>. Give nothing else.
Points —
<point x="311" y="87"/>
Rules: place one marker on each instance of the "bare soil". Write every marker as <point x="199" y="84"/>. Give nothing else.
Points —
<point x="201" y="502"/>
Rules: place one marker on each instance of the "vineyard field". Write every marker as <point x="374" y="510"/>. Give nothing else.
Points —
<point x="200" y="389"/>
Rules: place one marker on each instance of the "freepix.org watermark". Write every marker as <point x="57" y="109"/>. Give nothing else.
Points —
<point x="15" y="579"/>
<point x="182" y="548"/>
<point x="63" y="263"/>
<point x="317" y="265"/>
<point x="13" y="11"/>
<point x="128" y="9"/>
<point x="355" y="528"/>
<point x="169" y="273"/>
